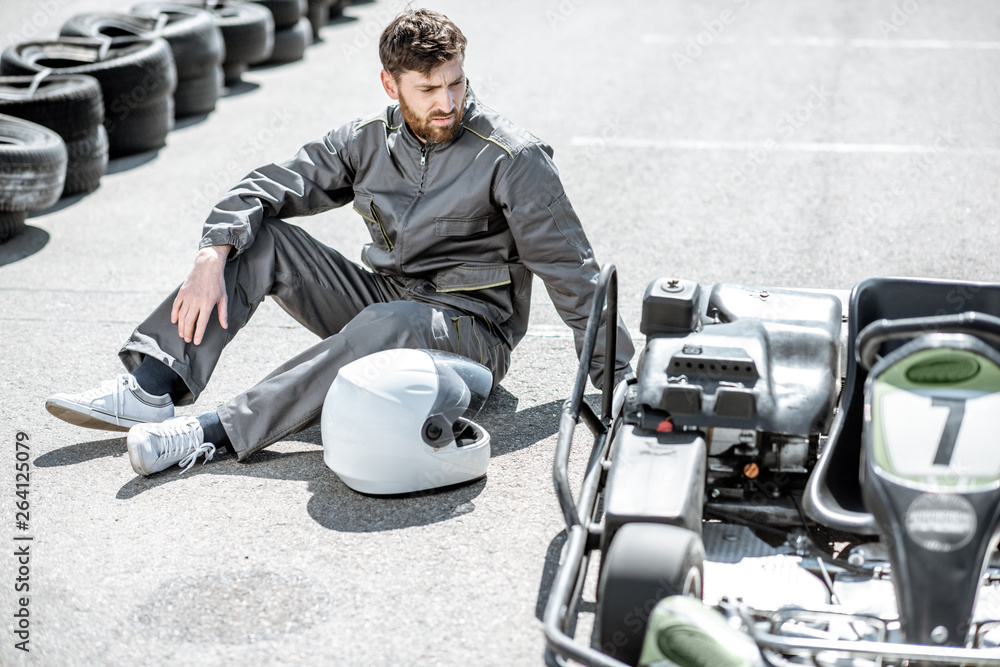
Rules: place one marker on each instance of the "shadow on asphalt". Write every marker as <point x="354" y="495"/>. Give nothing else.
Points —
<point x="25" y="244"/>
<point x="82" y="452"/>
<point x="549" y="573"/>
<point x="241" y="87"/>
<point x="119" y="164"/>
<point x="333" y="504"/>
<point x="188" y="121"/>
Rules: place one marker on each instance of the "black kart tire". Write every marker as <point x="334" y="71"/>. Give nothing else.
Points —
<point x="72" y="106"/>
<point x="286" y="13"/>
<point x="144" y="129"/>
<point x="290" y="44"/>
<point x="87" y="162"/>
<point x="198" y="95"/>
<point x="32" y="165"/>
<point x="130" y="74"/>
<point x="247" y="31"/>
<point x="233" y="73"/>
<point x="645" y="563"/>
<point x="195" y="40"/>
<point x="337" y="7"/>
<point x="319" y="15"/>
<point x="11" y="224"/>
<point x="134" y="77"/>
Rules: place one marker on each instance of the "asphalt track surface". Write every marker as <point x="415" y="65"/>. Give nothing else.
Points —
<point x="761" y="142"/>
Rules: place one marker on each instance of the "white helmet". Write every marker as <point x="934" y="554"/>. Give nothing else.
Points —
<point x="398" y="421"/>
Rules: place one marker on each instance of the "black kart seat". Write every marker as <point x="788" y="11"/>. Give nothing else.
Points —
<point x="833" y="493"/>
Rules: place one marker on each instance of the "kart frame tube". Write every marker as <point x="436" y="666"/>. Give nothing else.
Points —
<point x="581" y="522"/>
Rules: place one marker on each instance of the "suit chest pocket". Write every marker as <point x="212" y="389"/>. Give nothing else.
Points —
<point x="461" y="226"/>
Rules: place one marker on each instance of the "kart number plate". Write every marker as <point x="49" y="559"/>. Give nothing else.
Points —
<point x="942" y="437"/>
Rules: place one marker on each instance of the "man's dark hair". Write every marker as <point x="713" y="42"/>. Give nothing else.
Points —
<point x="419" y="40"/>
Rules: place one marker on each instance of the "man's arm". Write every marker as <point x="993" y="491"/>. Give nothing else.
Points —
<point x="318" y="178"/>
<point x="553" y="246"/>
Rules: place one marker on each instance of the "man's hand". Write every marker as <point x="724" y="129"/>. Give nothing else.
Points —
<point x="203" y="289"/>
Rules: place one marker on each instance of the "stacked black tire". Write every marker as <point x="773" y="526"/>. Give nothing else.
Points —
<point x="196" y="46"/>
<point x="247" y="30"/>
<point x="292" y="30"/>
<point x="71" y="106"/>
<point x="137" y="83"/>
<point x="32" y="171"/>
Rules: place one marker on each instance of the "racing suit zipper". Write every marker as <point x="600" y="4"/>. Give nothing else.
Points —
<point x="411" y="207"/>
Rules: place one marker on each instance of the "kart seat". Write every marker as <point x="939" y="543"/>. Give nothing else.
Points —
<point x="833" y="493"/>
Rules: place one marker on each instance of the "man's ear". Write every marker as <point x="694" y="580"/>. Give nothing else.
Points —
<point x="389" y="84"/>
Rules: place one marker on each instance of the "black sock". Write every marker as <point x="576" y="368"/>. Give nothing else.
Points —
<point x="157" y="378"/>
<point x="214" y="433"/>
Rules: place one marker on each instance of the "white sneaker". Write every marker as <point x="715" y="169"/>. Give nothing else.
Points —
<point x="156" y="447"/>
<point x="117" y="405"/>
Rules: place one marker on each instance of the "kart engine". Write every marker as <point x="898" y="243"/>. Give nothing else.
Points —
<point x="756" y="373"/>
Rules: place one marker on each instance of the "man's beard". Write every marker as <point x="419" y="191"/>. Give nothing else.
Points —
<point x="423" y="128"/>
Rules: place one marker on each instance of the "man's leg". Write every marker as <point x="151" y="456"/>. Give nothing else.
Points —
<point x="283" y="261"/>
<point x="291" y="398"/>
<point x="313" y="282"/>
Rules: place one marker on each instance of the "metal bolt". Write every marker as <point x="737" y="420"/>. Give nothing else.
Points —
<point x="672" y="285"/>
<point x="939" y="635"/>
<point x="856" y="559"/>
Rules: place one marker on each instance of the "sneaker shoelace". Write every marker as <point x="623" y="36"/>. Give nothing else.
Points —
<point x="208" y="449"/>
<point x="177" y="439"/>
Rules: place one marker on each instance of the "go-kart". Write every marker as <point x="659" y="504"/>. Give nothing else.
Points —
<point x="863" y="440"/>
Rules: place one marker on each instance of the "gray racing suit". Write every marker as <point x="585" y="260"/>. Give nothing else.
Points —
<point x="457" y="231"/>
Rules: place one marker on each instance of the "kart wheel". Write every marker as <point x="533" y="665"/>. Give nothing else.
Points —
<point x="645" y="563"/>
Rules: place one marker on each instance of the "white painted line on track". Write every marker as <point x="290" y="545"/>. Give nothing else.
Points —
<point x="773" y="146"/>
<point x="835" y="42"/>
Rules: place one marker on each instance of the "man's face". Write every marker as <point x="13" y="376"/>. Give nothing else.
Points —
<point x="432" y="104"/>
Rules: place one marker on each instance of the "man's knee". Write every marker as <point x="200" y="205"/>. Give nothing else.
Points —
<point x="403" y="323"/>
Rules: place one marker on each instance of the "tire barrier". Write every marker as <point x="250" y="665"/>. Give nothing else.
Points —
<point x="195" y="41"/>
<point x="32" y="171"/>
<point x="290" y="44"/>
<point x="292" y="30"/>
<point x="319" y="15"/>
<point x="137" y="83"/>
<point x="112" y="83"/>
<point x="72" y="107"/>
<point x="247" y="31"/>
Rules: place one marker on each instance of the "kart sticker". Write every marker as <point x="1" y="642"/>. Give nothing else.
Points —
<point x="930" y="437"/>
<point x="941" y="521"/>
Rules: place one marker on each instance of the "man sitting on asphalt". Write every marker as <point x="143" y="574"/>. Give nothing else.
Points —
<point x="463" y="207"/>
